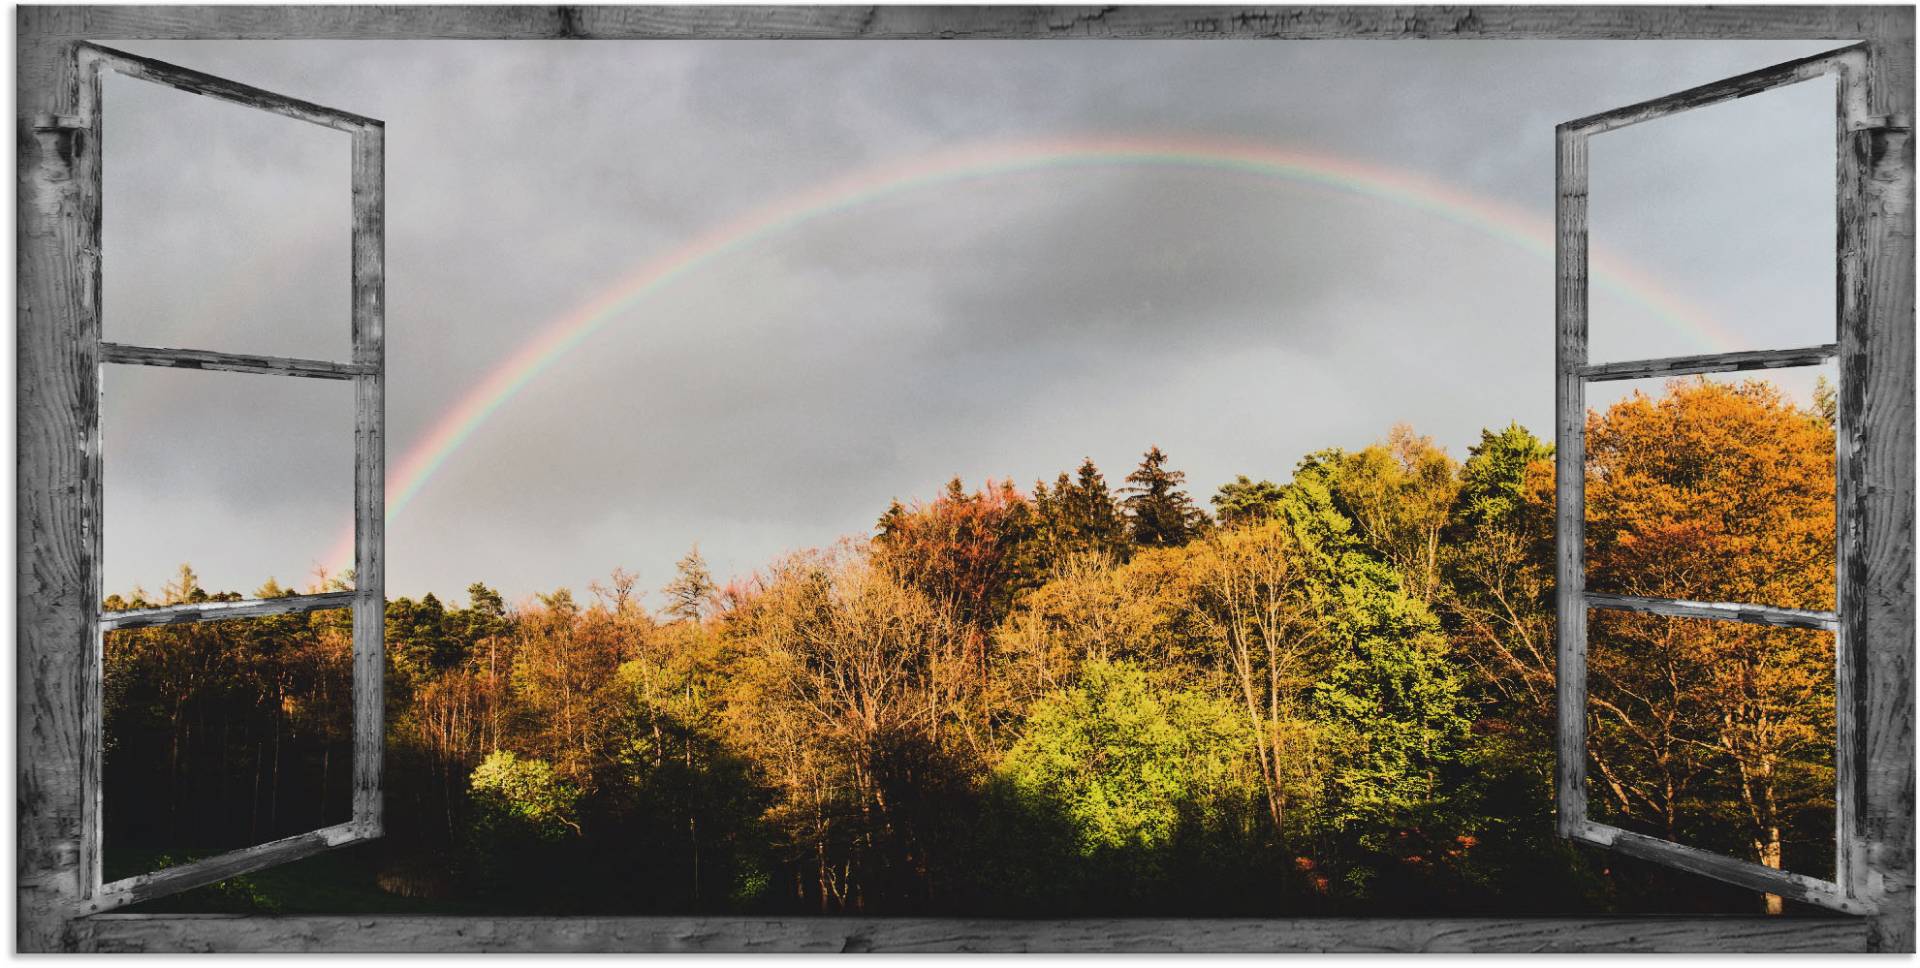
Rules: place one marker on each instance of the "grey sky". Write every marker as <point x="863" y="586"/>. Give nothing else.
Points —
<point x="1003" y="327"/>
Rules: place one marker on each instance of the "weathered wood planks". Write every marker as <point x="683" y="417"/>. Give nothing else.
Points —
<point x="145" y="618"/>
<point x="1570" y="479"/>
<point x="79" y="118"/>
<point x="606" y="22"/>
<point x="1709" y="363"/>
<point x="368" y="281"/>
<point x="1794" y="887"/>
<point x="1877" y="410"/>
<point x="1860" y="882"/>
<point x="1754" y="82"/>
<point x="229" y="362"/>
<point x="93" y="56"/>
<point x="1798" y="618"/>
<point x="220" y="933"/>
<point x="212" y="870"/>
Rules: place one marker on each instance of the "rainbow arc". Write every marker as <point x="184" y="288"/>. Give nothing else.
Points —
<point x="559" y="336"/>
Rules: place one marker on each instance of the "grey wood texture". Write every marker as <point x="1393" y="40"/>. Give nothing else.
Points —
<point x="129" y="932"/>
<point x="1854" y="119"/>
<point x="143" y="618"/>
<point x="369" y="475"/>
<point x="57" y="562"/>
<point x="87" y="62"/>
<point x="211" y="870"/>
<point x="1876" y="413"/>
<point x="1570" y="480"/>
<point x="506" y="22"/>
<point x="1744" y="85"/>
<point x="1799" y="618"/>
<point x="1709" y="363"/>
<point x="229" y="362"/>
<point x="196" y="82"/>
<point x="1794" y="887"/>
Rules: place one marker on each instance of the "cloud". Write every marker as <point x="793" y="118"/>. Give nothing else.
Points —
<point x="780" y="396"/>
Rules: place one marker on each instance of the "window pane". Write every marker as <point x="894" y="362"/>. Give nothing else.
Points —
<point x="1718" y="735"/>
<point x="247" y="478"/>
<point x="223" y="227"/>
<point x="1715" y="488"/>
<point x="1731" y="207"/>
<point x="221" y="735"/>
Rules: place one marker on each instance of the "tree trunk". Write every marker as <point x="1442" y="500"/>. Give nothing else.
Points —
<point x="1770" y="856"/>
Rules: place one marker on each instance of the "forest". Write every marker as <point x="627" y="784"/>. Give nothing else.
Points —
<point x="1332" y="695"/>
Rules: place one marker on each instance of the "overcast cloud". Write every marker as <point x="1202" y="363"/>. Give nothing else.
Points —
<point x="1003" y="327"/>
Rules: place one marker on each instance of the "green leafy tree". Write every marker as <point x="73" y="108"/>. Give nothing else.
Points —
<point x="1497" y="570"/>
<point x="1398" y="493"/>
<point x="519" y="811"/>
<point x="525" y="793"/>
<point x="1127" y="760"/>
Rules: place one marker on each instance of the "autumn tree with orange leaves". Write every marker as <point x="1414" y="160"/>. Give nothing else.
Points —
<point x="1718" y="492"/>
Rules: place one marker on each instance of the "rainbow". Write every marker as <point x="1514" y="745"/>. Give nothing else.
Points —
<point x="558" y="337"/>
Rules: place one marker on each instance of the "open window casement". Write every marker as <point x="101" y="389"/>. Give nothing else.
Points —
<point x="366" y="370"/>
<point x="1847" y="892"/>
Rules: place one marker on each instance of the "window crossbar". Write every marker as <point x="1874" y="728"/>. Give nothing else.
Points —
<point x="232" y="362"/>
<point x="144" y="618"/>
<point x="1798" y="618"/>
<point x="1710" y="363"/>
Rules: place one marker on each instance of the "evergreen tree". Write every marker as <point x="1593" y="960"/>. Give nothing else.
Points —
<point x="1080" y="517"/>
<point x="691" y="591"/>
<point x="1396" y="705"/>
<point x="1098" y="523"/>
<point x="1244" y="501"/>
<point x="1161" y="512"/>
<point x="1493" y="478"/>
<point x="890" y="523"/>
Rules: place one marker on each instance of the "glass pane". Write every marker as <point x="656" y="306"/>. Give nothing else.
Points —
<point x="223" y="227"/>
<point x="245" y="478"/>
<point x="1717" y="488"/>
<point x="222" y="735"/>
<point x="1712" y="230"/>
<point x="1718" y="735"/>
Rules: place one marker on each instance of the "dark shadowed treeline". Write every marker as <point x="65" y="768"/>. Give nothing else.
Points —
<point x="1331" y="695"/>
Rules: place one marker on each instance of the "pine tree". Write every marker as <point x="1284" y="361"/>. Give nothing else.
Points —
<point x="1098" y="523"/>
<point x="691" y="591"/>
<point x="1162" y="514"/>
<point x="1244" y="501"/>
<point x="1079" y="517"/>
<point x="890" y="523"/>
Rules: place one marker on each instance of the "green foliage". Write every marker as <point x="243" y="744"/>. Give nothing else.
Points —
<point x="1403" y="724"/>
<point x="1159" y="511"/>
<point x="1243" y="501"/>
<point x="1127" y="760"/>
<point x="1079" y="518"/>
<point x="1493" y="479"/>
<point x="523" y="794"/>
